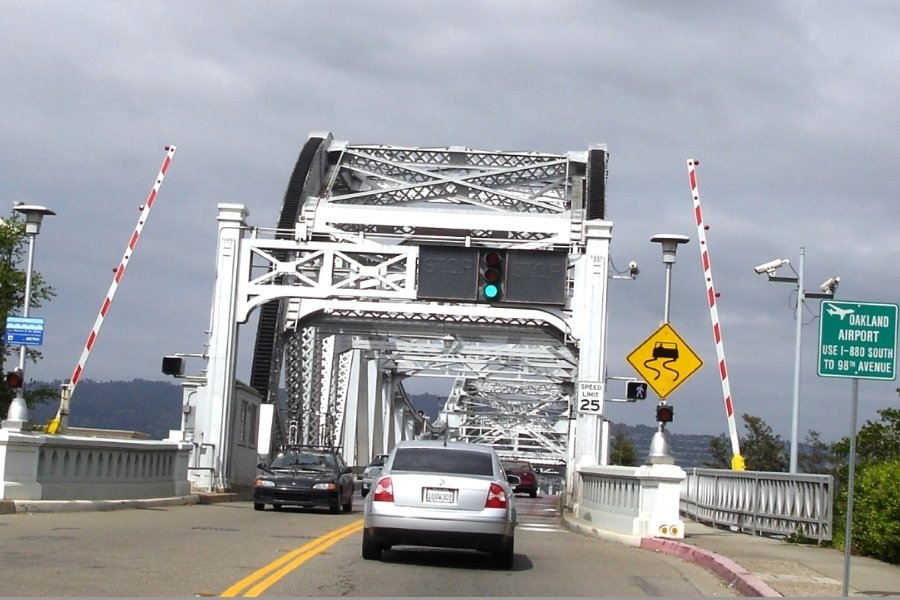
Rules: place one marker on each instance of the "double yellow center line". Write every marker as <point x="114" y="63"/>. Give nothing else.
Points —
<point x="256" y="583"/>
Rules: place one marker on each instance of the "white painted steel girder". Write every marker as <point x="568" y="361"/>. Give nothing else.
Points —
<point x="352" y="259"/>
<point x="521" y="420"/>
<point x="509" y="181"/>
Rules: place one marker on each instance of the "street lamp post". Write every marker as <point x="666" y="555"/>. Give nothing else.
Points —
<point x="669" y="243"/>
<point x="828" y="288"/>
<point x="17" y="416"/>
<point x="660" y="448"/>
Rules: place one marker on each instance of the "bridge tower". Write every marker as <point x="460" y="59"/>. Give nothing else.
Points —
<point x="374" y="273"/>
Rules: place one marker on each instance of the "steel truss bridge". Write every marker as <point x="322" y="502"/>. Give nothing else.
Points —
<point x="368" y="279"/>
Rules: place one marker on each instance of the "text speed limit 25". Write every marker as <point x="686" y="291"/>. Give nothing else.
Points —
<point x="590" y="397"/>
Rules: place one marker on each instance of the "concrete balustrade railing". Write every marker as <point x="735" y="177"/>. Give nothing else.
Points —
<point x="637" y="501"/>
<point x="34" y="466"/>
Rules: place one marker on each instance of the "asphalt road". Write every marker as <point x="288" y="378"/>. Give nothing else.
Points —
<point x="230" y="549"/>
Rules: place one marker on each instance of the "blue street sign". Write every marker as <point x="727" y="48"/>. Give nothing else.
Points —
<point x="24" y="331"/>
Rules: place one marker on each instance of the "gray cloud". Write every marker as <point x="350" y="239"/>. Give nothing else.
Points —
<point x="789" y="106"/>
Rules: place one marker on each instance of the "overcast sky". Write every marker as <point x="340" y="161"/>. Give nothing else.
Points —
<point x="791" y="107"/>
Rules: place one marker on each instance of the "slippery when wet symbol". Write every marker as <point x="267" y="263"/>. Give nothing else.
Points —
<point x="664" y="360"/>
<point x="664" y="353"/>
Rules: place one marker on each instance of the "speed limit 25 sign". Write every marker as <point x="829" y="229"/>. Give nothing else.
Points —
<point x="590" y="397"/>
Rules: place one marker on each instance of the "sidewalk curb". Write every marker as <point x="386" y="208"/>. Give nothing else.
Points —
<point x="737" y="576"/>
<point x="732" y="573"/>
<point x="9" y="507"/>
<point x="41" y="506"/>
<point x="585" y="529"/>
<point x="217" y="497"/>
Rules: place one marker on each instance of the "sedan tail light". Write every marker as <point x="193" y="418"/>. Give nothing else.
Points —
<point x="496" y="497"/>
<point x="384" y="490"/>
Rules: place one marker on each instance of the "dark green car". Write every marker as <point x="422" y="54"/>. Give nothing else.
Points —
<point x="306" y="477"/>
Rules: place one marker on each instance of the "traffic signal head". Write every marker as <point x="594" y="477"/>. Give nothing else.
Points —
<point x="664" y="413"/>
<point x="490" y="287"/>
<point x="173" y="365"/>
<point x="15" y="379"/>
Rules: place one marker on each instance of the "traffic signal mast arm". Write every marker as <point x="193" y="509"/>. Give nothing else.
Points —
<point x="60" y="422"/>
<point x="737" y="461"/>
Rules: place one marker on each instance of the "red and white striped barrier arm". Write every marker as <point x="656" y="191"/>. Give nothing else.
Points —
<point x="737" y="460"/>
<point x="120" y="271"/>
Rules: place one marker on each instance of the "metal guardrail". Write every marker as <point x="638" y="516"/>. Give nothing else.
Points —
<point x="759" y="502"/>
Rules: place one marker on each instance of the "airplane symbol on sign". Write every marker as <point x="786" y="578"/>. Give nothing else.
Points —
<point x="834" y="311"/>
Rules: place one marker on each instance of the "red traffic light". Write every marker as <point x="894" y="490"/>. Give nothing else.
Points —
<point x="15" y="379"/>
<point x="665" y="413"/>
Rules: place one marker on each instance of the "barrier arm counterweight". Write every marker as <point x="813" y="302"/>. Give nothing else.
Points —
<point x="60" y="422"/>
<point x="737" y="461"/>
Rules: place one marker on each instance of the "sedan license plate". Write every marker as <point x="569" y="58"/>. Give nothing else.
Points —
<point x="439" y="495"/>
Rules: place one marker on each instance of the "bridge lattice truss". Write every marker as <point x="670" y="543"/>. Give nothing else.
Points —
<point x="341" y="320"/>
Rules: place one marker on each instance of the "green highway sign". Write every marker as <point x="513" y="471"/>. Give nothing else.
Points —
<point x="858" y="339"/>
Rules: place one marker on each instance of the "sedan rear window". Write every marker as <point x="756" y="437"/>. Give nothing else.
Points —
<point x="443" y="460"/>
<point x="525" y="466"/>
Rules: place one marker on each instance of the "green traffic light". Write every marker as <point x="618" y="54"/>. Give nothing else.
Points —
<point x="490" y="291"/>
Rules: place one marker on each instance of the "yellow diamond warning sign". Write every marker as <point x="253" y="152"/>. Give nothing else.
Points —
<point x="664" y="360"/>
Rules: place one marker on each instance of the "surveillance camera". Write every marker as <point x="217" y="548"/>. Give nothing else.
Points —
<point x="770" y="266"/>
<point x="830" y="285"/>
<point x="633" y="268"/>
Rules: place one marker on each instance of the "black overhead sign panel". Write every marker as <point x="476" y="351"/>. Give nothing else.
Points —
<point x="529" y="276"/>
<point x="447" y="273"/>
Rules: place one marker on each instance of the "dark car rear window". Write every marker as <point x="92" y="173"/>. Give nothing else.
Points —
<point x="518" y="466"/>
<point x="443" y="460"/>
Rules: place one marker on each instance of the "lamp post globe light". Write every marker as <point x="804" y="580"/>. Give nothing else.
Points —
<point x="828" y="288"/>
<point x="669" y="243"/>
<point x="17" y="416"/>
<point x="660" y="445"/>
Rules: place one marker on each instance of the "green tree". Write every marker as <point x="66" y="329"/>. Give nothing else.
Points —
<point x="878" y="451"/>
<point x="13" y="262"/>
<point x="761" y="448"/>
<point x="876" y="511"/>
<point x="720" y="453"/>
<point x="875" y="441"/>
<point x="622" y="451"/>
<point x="814" y="455"/>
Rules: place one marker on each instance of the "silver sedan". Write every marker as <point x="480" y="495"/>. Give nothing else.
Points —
<point x="372" y="472"/>
<point x="441" y="494"/>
